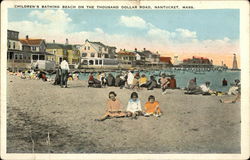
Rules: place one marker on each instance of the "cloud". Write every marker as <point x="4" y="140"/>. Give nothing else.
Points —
<point x="133" y="22"/>
<point x="46" y="23"/>
<point x="186" y="34"/>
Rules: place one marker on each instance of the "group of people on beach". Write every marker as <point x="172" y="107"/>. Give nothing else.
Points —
<point x="114" y="108"/>
<point x="130" y="80"/>
<point x="31" y="74"/>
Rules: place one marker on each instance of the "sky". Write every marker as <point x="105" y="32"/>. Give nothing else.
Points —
<point x="210" y="33"/>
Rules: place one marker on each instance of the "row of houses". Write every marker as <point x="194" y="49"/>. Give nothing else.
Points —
<point x="22" y="53"/>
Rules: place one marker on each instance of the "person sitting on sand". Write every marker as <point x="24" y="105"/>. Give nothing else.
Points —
<point x="152" y="83"/>
<point x="143" y="81"/>
<point x="234" y="89"/>
<point x="118" y="81"/>
<point x="122" y="80"/>
<point x="91" y="80"/>
<point x="23" y="75"/>
<point x="114" y="108"/>
<point x="205" y="89"/>
<point x="164" y="83"/>
<point x="152" y="107"/>
<point x="110" y="80"/>
<point x="134" y="106"/>
<point x="193" y="88"/>
<point x="103" y="79"/>
<point x="238" y="95"/>
<point x="172" y="83"/>
<point x="136" y="82"/>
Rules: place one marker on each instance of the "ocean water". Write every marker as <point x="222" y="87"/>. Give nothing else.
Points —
<point x="182" y="77"/>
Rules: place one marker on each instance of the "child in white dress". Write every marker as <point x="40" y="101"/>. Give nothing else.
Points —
<point x="134" y="106"/>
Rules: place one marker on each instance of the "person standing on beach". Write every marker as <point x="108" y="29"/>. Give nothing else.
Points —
<point x="224" y="82"/>
<point x="113" y="108"/>
<point x="65" y="70"/>
<point x="130" y="79"/>
<point x="58" y="76"/>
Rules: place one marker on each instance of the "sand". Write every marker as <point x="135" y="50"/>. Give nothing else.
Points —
<point x="44" y="118"/>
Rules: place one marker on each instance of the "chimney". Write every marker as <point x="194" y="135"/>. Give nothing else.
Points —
<point x="27" y="37"/>
<point x="54" y="41"/>
<point x="67" y="41"/>
<point x="124" y="49"/>
<point x="144" y="49"/>
<point x="136" y="49"/>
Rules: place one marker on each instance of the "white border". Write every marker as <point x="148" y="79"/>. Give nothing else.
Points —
<point x="244" y="49"/>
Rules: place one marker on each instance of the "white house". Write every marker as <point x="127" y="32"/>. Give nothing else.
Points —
<point x="96" y="54"/>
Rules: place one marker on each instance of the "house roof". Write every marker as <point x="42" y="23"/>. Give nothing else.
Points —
<point x="31" y="42"/>
<point x="122" y="52"/>
<point x="96" y="45"/>
<point x="165" y="59"/>
<point x="59" y="46"/>
<point x="195" y="57"/>
<point x="146" y="53"/>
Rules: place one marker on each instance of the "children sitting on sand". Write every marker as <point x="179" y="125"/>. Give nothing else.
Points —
<point x="152" y="107"/>
<point x="134" y="106"/>
<point x="114" y="108"/>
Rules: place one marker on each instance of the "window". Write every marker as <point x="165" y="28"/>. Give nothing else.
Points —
<point x="92" y="55"/>
<point x="106" y="56"/>
<point x="41" y="57"/>
<point x="84" y="54"/>
<point x="100" y="49"/>
<point x="85" y="62"/>
<point x="91" y="62"/>
<point x="88" y="47"/>
<point x="54" y="51"/>
<point x="11" y="55"/>
<point x="96" y="62"/>
<point x="34" y="57"/>
<point x="14" y="45"/>
<point x="16" y="56"/>
<point x="33" y="48"/>
<point x="105" y="49"/>
<point x="85" y="48"/>
<point x="99" y="55"/>
<point x="20" y="56"/>
<point x="9" y="45"/>
<point x="100" y="62"/>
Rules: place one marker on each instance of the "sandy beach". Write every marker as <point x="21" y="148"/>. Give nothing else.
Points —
<point x="45" y="118"/>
